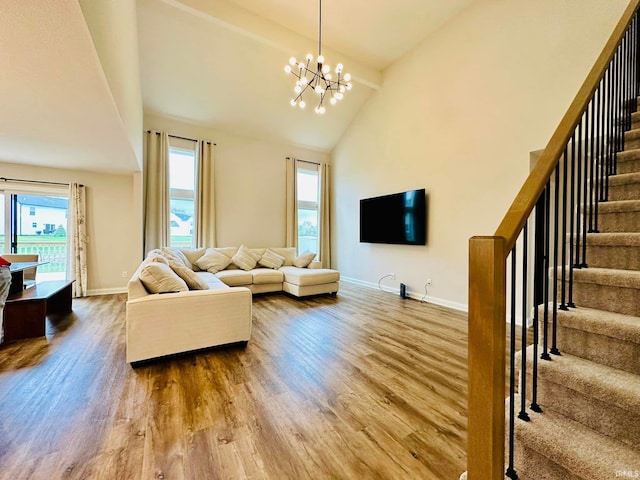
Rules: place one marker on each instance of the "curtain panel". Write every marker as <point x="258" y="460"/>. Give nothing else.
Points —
<point x="77" y="240"/>
<point x="205" y="225"/>
<point x="156" y="191"/>
<point x="291" y="236"/>
<point x="325" y="219"/>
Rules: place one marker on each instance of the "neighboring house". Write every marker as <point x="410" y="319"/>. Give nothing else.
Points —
<point x="40" y="215"/>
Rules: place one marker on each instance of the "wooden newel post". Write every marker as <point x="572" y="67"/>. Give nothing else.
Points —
<point x="487" y="329"/>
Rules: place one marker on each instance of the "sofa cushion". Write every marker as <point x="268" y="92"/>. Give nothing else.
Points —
<point x="193" y="281"/>
<point x="271" y="259"/>
<point x="176" y="255"/>
<point x="304" y="259"/>
<point x="157" y="277"/>
<point x="213" y="261"/>
<point x="306" y="276"/>
<point x="266" y="275"/>
<point x="193" y="254"/>
<point x="289" y="254"/>
<point x="245" y="258"/>
<point x="212" y="281"/>
<point x="235" y="278"/>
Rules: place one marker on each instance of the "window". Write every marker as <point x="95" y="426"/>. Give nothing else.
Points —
<point x="34" y="224"/>
<point x="308" y="200"/>
<point x="182" y="175"/>
<point x="32" y="211"/>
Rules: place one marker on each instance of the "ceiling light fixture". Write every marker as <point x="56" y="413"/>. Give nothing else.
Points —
<point x="320" y="80"/>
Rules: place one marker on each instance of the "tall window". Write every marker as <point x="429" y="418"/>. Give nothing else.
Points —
<point x="182" y="194"/>
<point x="308" y="200"/>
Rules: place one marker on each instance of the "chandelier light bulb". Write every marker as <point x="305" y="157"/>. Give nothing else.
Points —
<point x="292" y="102"/>
<point x="321" y="59"/>
<point x="321" y="110"/>
<point x="298" y="89"/>
<point x="347" y="77"/>
<point x="287" y="68"/>
<point x="342" y="89"/>
<point x="304" y="80"/>
<point x="326" y="69"/>
<point x="349" y="86"/>
<point x="309" y="57"/>
<point x="339" y="68"/>
<point x="333" y="101"/>
<point x="302" y="104"/>
<point x="328" y="76"/>
<point x="338" y="96"/>
<point x="292" y="61"/>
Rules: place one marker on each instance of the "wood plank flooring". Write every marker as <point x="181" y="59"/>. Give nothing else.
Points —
<point x="359" y="386"/>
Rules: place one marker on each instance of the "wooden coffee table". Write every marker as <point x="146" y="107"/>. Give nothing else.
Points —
<point x="26" y="310"/>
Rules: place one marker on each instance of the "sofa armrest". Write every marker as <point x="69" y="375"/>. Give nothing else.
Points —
<point x="315" y="265"/>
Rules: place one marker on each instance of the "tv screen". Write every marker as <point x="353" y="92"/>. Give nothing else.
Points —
<point x="400" y="218"/>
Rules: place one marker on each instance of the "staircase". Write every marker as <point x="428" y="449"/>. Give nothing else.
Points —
<point x="590" y="394"/>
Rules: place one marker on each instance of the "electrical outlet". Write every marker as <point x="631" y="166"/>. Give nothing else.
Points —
<point x="124" y="274"/>
<point x="393" y="276"/>
<point x="429" y="283"/>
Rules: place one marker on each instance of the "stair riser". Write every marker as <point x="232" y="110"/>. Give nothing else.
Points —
<point x="631" y="143"/>
<point x="600" y="416"/>
<point x="624" y="222"/>
<point x="628" y="166"/>
<point x="619" y="354"/>
<point x="629" y="191"/>
<point x="606" y="297"/>
<point x="530" y="465"/>
<point x="618" y="257"/>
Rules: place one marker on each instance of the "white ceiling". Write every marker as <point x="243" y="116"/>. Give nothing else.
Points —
<point x="214" y="63"/>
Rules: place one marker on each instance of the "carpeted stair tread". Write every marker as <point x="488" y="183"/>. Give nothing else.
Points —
<point x="608" y="276"/>
<point x="614" y="239"/>
<point x="612" y="324"/>
<point x="620" y="206"/>
<point x="624" y="178"/>
<point x="606" y="384"/>
<point x="624" y="186"/>
<point x="628" y="161"/>
<point x="583" y="452"/>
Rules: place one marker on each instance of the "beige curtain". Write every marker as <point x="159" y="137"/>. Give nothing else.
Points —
<point x="77" y="240"/>
<point x="156" y="191"/>
<point x="292" y="206"/>
<point x="205" y="225"/>
<point x="325" y="208"/>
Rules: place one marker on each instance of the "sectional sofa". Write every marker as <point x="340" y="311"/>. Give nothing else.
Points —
<point x="182" y="299"/>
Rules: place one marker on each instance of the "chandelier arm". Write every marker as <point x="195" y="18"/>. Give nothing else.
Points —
<point x="320" y="30"/>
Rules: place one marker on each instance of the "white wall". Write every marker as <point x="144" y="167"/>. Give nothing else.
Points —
<point x="459" y="116"/>
<point x="113" y="222"/>
<point x="249" y="181"/>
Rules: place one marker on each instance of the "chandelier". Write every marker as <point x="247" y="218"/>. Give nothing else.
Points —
<point x="317" y="76"/>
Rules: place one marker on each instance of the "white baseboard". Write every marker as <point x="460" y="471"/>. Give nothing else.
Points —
<point x="428" y="299"/>
<point x="106" y="291"/>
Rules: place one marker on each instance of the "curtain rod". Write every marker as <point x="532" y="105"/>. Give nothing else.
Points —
<point x="181" y="138"/>
<point x="305" y="161"/>
<point x="4" y="179"/>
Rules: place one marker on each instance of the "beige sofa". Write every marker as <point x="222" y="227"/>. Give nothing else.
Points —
<point x="176" y="305"/>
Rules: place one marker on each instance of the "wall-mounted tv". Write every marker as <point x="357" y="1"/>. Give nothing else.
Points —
<point x="400" y="218"/>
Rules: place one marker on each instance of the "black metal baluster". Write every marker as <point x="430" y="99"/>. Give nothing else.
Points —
<point x="598" y="156"/>
<point x="565" y="173"/>
<point x="578" y="194"/>
<point x="585" y="184"/>
<point x="592" y="156"/>
<point x="547" y="234"/>
<point x="556" y="215"/>
<point x="523" y="415"/>
<point x="510" y="472"/>
<point x="572" y="209"/>
<point x="538" y="281"/>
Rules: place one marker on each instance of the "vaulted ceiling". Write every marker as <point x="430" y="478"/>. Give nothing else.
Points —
<point x="74" y="80"/>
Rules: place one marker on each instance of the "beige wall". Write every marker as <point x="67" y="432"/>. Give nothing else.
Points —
<point x="250" y="182"/>
<point x="459" y="116"/>
<point x="113" y="222"/>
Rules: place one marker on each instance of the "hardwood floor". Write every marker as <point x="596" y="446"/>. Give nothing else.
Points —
<point x="358" y="386"/>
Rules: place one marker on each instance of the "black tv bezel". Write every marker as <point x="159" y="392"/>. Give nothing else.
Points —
<point x="423" y="241"/>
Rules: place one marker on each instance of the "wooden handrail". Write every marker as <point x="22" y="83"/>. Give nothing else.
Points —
<point x="487" y="284"/>
<point x="524" y="202"/>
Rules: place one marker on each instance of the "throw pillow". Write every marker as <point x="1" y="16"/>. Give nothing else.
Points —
<point x="271" y="259"/>
<point x="245" y="258"/>
<point x="177" y="256"/>
<point x="158" y="277"/>
<point x="193" y="281"/>
<point x="304" y="259"/>
<point x="213" y="261"/>
<point x="193" y="254"/>
<point x="157" y="257"/>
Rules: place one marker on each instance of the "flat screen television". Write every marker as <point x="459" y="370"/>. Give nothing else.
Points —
<point x="399" y="218"/>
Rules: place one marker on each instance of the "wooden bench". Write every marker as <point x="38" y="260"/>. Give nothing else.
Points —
<point x="25" y="311"/>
